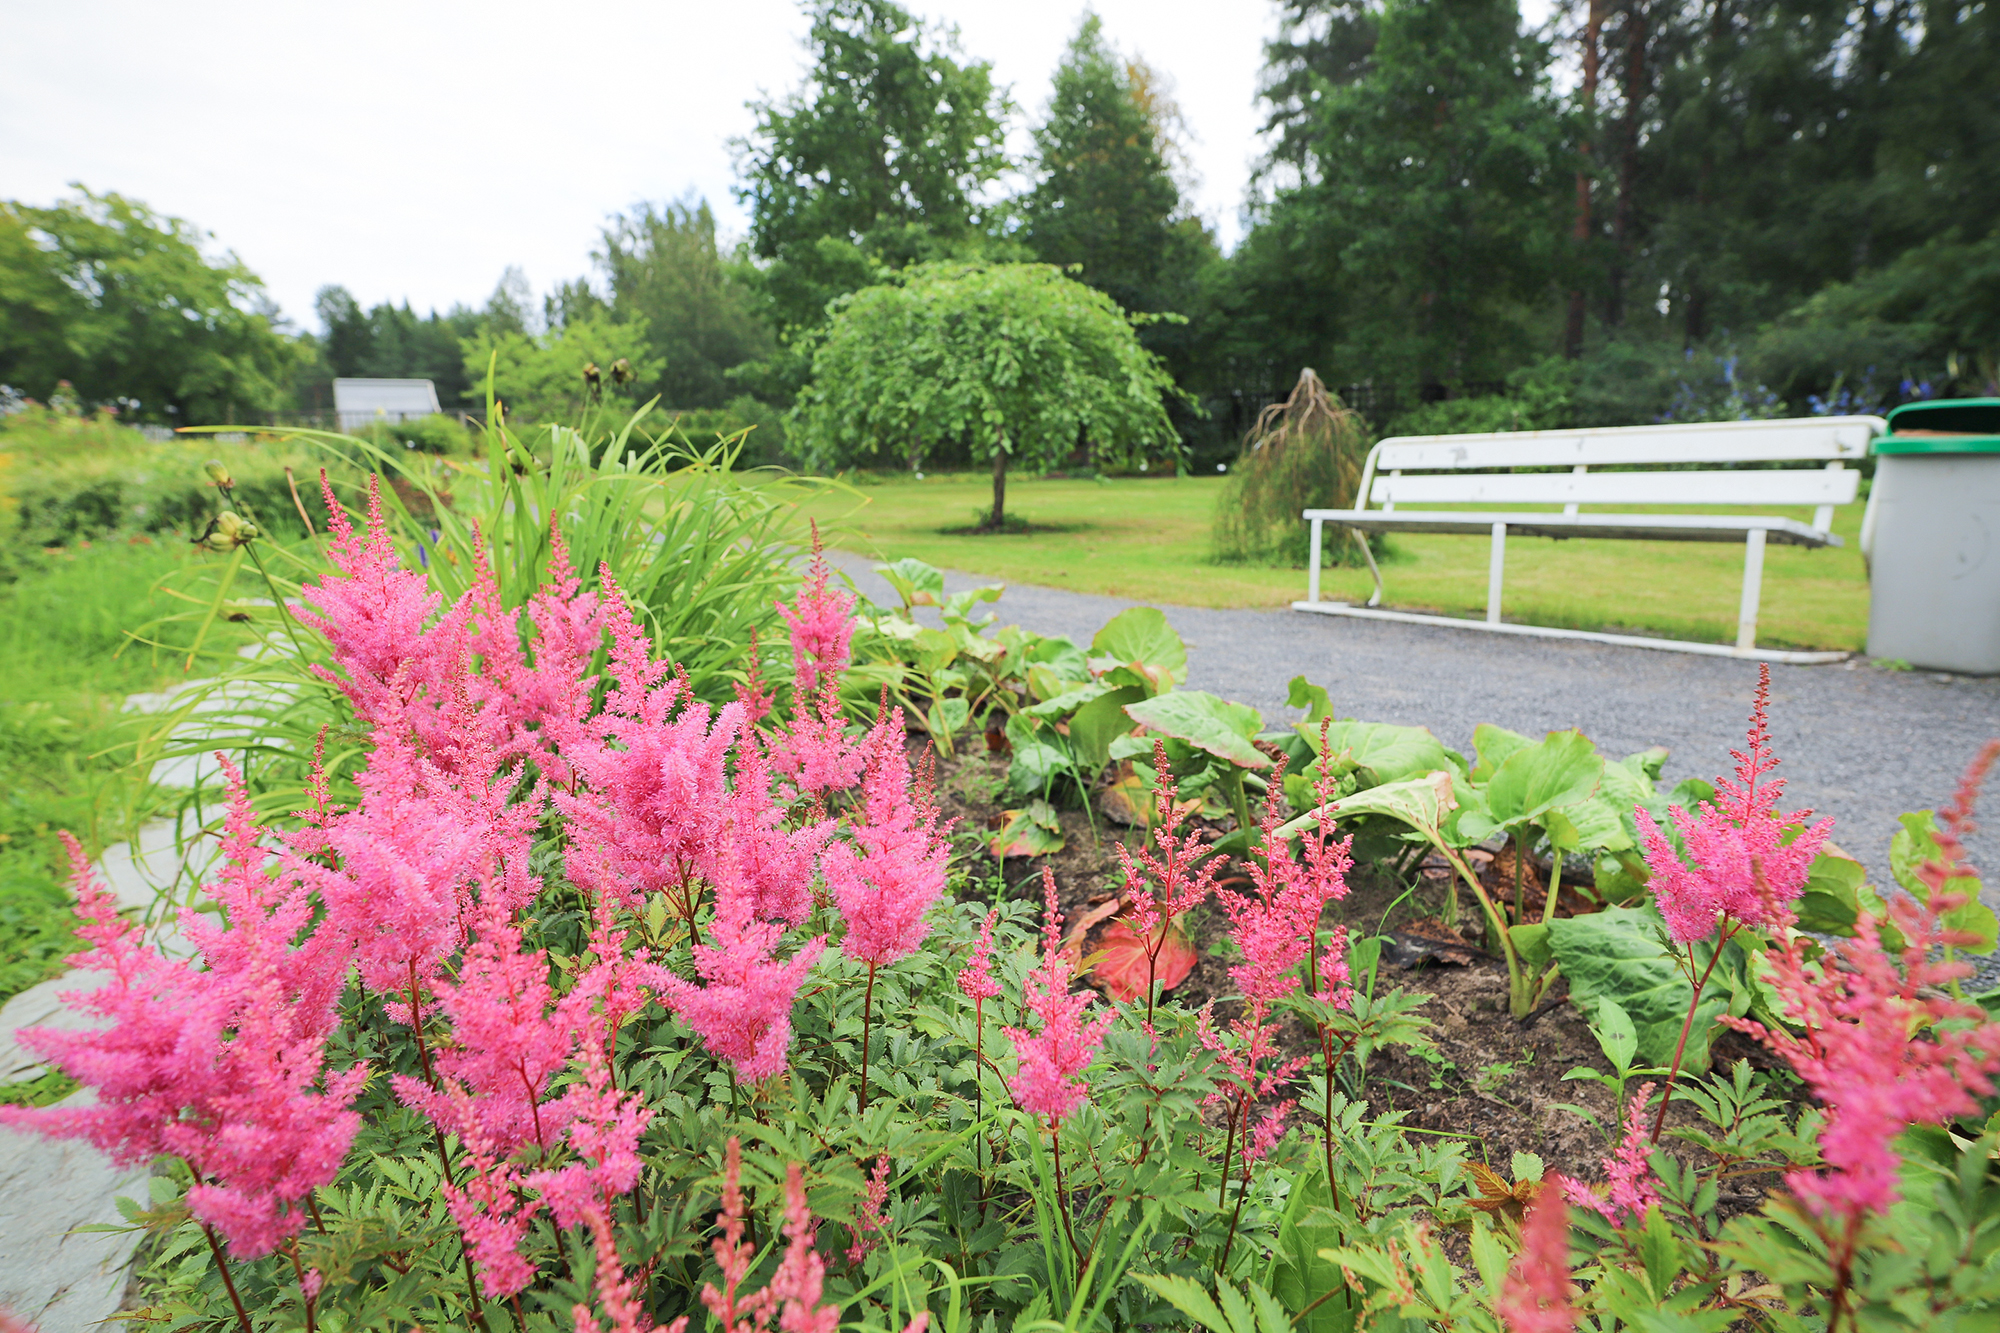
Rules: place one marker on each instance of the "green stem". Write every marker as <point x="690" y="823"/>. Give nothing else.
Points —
<point x="1555" y="884"/>
<point x="1519" y="1001"/>
<point x="1680" y="1047"/>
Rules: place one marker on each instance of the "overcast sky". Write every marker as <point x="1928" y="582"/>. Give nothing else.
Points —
<point x="413" y="151"/>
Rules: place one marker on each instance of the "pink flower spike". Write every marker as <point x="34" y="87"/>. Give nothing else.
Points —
<point x="1048" y="1081"/>
<point x="893" y="871"/>
<point x="1536" y="1296"/>
<point x="822" y="624"/>
<point x="744" y="1013"/>
<point x="1743" y="869"/>
<point x="871" y="1218"/>
<point x="975" y="980"/>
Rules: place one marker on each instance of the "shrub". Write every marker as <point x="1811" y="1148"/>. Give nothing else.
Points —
<point x="1303" y="453"/>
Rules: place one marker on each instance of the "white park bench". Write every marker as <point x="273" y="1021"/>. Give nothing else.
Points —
<point x="1417" y="470"/>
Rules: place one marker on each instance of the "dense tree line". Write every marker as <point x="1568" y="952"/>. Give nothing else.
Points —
<point x="1650" y="208"/>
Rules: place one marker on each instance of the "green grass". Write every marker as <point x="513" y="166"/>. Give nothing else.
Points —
<point x="65" y="669"/>
<point x="1147" y="540"/>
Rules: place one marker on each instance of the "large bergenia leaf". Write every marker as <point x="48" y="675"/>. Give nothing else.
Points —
<point x="917" y="583"/>
<point x="1422" y="803"/>
<point x="1559" y="770"/>
<point x="1302" y="693"/>
<point x="1492" y="746"/>
<point x="1121" y="959"/>
<point x="1140" y="640"/>
<point x="1617" y="953"/>
<point x="1378" y="751"/>
<point x="1217" y="726"/>
<point x="1099" y="722"/>
<point x="1031" y="831"/>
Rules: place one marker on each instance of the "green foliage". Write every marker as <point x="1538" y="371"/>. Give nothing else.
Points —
<point x="121" y="302"/>
<point x="665" y="267"/>
<point x="393" y="342"/>
<point x="540" y="377"/>
<point x="1105" y="198"/>
<point x="434" y="434"/>
<point x="1304" y="453"/>
<point x="1426" y="153"/>
<point x="831" y="207"/>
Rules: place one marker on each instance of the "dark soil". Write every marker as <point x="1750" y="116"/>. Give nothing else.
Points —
<point x="1495" y="1081"/>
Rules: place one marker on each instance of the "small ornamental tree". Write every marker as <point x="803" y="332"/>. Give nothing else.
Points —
<point x="1014" y="361"/>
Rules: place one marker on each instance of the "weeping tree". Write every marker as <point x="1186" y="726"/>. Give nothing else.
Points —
<point x="1016" y="363"/>
<point x="1303" y="453"/>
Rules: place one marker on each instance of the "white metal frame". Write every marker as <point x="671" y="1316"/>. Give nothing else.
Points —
<point x="1478" y="462"/>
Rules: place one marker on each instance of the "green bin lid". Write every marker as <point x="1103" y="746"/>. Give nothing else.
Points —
<point x="1943" y="426"/>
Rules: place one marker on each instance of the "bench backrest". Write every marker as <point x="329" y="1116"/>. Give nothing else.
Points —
<point x="1473" y="469"/>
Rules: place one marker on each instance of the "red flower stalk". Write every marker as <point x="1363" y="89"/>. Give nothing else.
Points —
<point x="1536" y="1296"/>
<point x="1733" y="841"/>
<point x="1164" y="885"/>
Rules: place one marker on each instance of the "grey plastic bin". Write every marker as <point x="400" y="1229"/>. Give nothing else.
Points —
<point x="1932" y="536"/>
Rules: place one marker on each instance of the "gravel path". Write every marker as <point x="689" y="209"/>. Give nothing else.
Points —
<point x="1859" y="743"/>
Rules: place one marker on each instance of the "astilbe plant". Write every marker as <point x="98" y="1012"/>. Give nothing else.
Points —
<point x="1749" y="862"/>
<point x="419" y="896"/>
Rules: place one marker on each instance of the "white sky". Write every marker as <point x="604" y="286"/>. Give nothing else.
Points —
<point x="414" y="150"/>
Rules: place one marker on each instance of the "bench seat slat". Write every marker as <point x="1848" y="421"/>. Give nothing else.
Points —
<point x="1639" y="527"/>
<point x="1817" y="486"/>
<point x="1817" y="440"/>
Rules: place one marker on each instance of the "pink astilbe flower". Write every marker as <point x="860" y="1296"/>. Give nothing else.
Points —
<point x="817" y="753"/>
<point x="1734" y="840"/>
<point x="1051" y="1061"/>
<point x="821" y="620"/>
<point x="222" y="1064"/>
<point x="508" y="1039"/>
<point x="872" y="1217"/>
<point x="751" y="691"/>
<point x="624" y="1304"/>
<point x="1276" y="927"/>
<point x="975" y="979"/>
<point x="1162" y="886"/>
<point x="893" y="871"/>
<point x="759" y="859"/>
<point x="1883" y="1047"/>
<point x="795" y="1290"/>
<point x="744" y="1012"/>
<point x="1536" y="1296"/>
<point x="604" y="1126"/>
<point x="1631" y="1187"/>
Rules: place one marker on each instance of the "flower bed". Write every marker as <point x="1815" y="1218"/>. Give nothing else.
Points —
<point x="603" y="1002"/>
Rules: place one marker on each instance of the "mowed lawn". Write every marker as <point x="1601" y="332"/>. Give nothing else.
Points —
<point x="1147" y="540"/>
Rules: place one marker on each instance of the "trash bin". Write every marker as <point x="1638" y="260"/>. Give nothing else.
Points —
<point x="1932" y="537"/>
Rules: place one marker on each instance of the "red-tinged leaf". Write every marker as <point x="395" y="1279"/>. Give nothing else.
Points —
<point x="1121" y="960"/>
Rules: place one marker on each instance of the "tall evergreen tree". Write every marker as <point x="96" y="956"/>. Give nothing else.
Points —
<point x="665" y="265"/>
<point x="883" y="157"/>
<point x="1419" y="149"/>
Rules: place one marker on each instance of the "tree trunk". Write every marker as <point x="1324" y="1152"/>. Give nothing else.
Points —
<point x="997" y="520"/>
<point x="1573" y="333"/>
<point x="1628" y="157"/>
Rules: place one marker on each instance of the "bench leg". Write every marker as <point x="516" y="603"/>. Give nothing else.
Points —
<point x="1312" y="569"/>
<point x="1753" y="588"/>
<point x="1494" y="571"/>
<point x="1374" y="598"/>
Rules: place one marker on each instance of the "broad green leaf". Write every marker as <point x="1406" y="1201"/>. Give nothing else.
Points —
<point x="959" y="605"/>
<point x="1831" y="903"/>
<point x="1617" y="953"/>
<point x="1647" y="763"/>
<point x="1187" y="1296"/>
<point x="1531" y="944"/>
<point x="1561" y="769"/>
<point x="1061" y="655"/>
<point x="1031" y="831"/>
<point x="1140" y="637"/>
<point x="1098" y="723"/>
<point x="917" y="583"/>
<point x="1422" y="803"/>
<point x="1591" y="824"/>
<point x="1492" y="745"/>
<point x="1062" y="705"/>
<point x="947" y="717"/>
<point x="936" y="650"/>
<point x="1527" y="1166"/>
<point x="1379" y="751"/>
<point x="1318" y="704"/>
<point x="1914" y="844"/>
<point x="1215" y="725"/>
<point x="1615" y="1033"/>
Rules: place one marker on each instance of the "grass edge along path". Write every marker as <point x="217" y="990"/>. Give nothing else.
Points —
<point x="1147" y="540"/>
